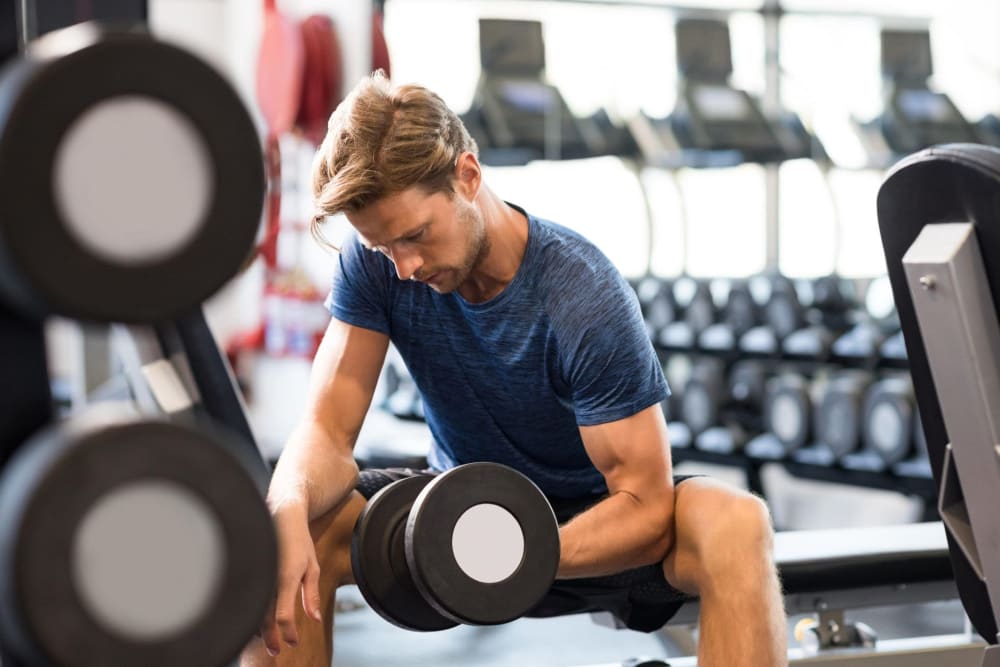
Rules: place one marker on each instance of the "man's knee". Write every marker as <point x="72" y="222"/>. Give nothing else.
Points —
<point x="722" y="525"/>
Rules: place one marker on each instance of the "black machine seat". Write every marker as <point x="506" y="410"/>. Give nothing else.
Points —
<point x="835" y="559"/>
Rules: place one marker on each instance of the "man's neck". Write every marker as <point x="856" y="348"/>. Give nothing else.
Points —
<point x="507" y="239"/>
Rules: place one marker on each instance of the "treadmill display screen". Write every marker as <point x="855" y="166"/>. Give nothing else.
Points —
<point x="925" y="105"/>
<point x="720" y="103"/>
<point x="526" y="95"/>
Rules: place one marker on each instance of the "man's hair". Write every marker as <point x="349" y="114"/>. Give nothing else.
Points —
<point x="381" y="140"/>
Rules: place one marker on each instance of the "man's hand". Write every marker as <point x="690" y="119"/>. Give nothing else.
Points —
<point x="298" y="578"/>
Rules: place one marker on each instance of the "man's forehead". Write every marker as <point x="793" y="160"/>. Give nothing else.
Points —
<point x="395" y="215"/>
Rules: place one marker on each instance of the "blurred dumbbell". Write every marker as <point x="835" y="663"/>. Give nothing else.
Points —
<point x="703" y="394"/>
<point x="889" y="419"/>
<point x="782" y="314"/>
<point x="828" y="301"/>
<point x="878" y="320"/>
<point x="840" y="402"/>
<point x="696" y="312"/>
<point x="677" y="370"/>
<point x="788" y="416"/>
<point x="656" y="299"/>
<point x="739" y="413"/>
<point x="738" y="314"/>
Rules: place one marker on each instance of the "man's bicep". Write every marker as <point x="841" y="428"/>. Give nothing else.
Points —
<point x="343" y="378"/>
<point x="632" y="453"/>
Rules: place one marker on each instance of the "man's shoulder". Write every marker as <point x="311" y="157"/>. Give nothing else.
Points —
<point x="574" y="276"/>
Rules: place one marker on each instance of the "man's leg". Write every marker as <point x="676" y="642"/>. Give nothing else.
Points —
<point x="723" y="554"/>
<point x="332" y="536"/>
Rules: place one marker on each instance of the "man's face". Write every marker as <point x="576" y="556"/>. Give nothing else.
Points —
<point x="436" y="239"/>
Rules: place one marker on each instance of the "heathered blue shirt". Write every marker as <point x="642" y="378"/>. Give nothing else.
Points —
<point x="510" y="380"/>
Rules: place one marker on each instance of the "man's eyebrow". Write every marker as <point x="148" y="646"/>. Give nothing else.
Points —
<point x="401" y="237"/>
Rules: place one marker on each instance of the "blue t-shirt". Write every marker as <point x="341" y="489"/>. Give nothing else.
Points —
<point x="510" y="380"/>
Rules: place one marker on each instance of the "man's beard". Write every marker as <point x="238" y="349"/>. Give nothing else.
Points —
<point x="476" y="249"/>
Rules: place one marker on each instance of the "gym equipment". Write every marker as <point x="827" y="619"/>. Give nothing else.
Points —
<point x="715" y="123"/>
<point x="738" y="410"/>
<point x="738" y="314"/>
<point x="656" y="299"/>
<point x="64" y="253"/>
<point x="520" y="114"/>
<point x="888" y="421"/>
<point x="702" y="395"/>
<point x="789" y="407"/>
<point x="829" y="301"/>
<point x="477" y="544"/>
<point x="132" y="534"/>
<point x="915" y="116"/>
<point x="92" y="511"/>
<point x="837" y="421"/>
<point x="378" y="559"/>
<point x="697" y="312"/>
<point x="939" y="225"/>
<point x="776" y="297"/>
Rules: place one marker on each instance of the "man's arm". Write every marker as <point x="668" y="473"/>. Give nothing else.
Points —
<point x="634" y="525"/>
<point x="316" y="470"/>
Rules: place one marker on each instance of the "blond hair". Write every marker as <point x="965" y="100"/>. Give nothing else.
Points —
<point x="382" y="140"/>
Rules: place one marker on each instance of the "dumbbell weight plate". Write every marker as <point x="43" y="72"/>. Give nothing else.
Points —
<point x="378" y="559"/>
<point x="482" y="544"/>
<point x="132" y="542"/>
<point x="888" y="419"/>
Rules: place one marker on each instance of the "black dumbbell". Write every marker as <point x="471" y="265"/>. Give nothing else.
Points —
<point x="889" y="419"/>
<point x="656" y="300"/>
<point x="478" y="544"/>
<point x="839" y="412"/>
<point x="788" y="417"/>
<point x="738" y="311"/>
<point x="696" y="309"/>
<point x="782" y="314"/>
<point x="703" y="394"/>
<point x="739" y="409"/>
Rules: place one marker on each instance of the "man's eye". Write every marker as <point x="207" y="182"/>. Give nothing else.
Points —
<point x="416" y="235"/>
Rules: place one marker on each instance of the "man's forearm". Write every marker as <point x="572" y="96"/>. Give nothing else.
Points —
<point x="619" y="533"/>
<point x="313" y="471"/>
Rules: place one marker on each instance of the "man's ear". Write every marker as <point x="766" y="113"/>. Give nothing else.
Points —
<point x="468" y="175"/>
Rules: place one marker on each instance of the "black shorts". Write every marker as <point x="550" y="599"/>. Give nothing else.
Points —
<point x="640" y="598"/>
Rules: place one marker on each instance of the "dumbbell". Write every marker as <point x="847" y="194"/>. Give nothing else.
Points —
<point x="132" y="541"/>
<point x="737" y="409"/>
<point x="781" y="310"/>
<point x="839" y="414"/>
<point x="878" y="320"/>
<point x="738" y="315"/>
<point x="703" y="394"/>
<point x="696" y="306"/>
<point x="477" y="544"/>
<point x="656" y="300"/>
<point x="889" y="419"/>
<point x="789" y="406"/>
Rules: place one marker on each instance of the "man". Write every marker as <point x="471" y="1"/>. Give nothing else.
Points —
<point x="529" y="350"/>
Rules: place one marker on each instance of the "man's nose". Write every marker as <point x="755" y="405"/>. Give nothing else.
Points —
<point x="407" y="263"/>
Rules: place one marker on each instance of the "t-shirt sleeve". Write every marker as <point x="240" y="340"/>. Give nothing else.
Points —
<point x="360" y="292"/>
<point x="611" y="367"/>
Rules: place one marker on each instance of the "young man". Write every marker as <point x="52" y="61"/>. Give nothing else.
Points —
<point x="529" y="350"/>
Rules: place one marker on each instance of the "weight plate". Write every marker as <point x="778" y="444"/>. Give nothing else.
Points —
<point x="434" y="539"/>
<point x="378" y="559"/>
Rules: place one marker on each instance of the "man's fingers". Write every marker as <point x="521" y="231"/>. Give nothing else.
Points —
<point x="310" y="592"/>
<point x="269" y="633"/>
<point x="284" y="609"/>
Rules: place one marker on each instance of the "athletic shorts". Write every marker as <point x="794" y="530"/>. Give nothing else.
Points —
<point x="640" y="598"/>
